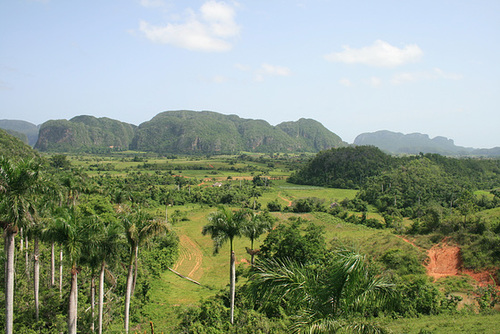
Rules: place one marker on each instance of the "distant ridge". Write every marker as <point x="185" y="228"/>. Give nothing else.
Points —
<point x="186" y="131"/>
<point x="200" y="132"/>
<point x="29" y="130"/>
<point x="83" y="133"/>
<point x="415" y="143"/>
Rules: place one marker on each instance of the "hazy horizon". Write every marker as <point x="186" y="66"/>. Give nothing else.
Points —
<point x="429" y="66"/>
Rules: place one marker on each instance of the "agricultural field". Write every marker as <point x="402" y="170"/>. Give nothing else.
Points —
<point x="171" y="293"/>
<point x="175" y="283"/>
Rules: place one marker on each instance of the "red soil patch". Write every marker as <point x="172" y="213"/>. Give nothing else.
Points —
<point x="444" y="260"/>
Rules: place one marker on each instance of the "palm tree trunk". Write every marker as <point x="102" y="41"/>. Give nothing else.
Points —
<point x="135" y="269"/>
<point x="128" y="294"/>
<point x="92" y="301"/>
<point x="253" y="253"/>
<point x="27" y="259"/>
<point x="52" y="265"/>
<point x="21" y="246"/>
<point x="60" y="272"/>
<point x="73" y="301"/>
<point x="232" y="278"/>
<point x="36" y="277"/>
<point x="101" y="295"/>
<point x="9" y="279"/>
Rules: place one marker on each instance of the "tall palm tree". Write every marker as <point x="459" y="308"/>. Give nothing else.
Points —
<point x="17" y="185"/>
<point x="323" y="298"/>
<point x="140" y="227"/>
<point x="107" y="238"/>
<point x="258" y="224"/>
<point x="45" y="206"/>
<point x="70" y="230"/>
<point x="224" y="225"/>
<point x="52" y="233"/>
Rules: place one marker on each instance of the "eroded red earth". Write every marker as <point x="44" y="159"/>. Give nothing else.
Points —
<point x="444" y="260"/>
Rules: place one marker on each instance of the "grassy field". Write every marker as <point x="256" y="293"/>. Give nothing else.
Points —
<point x="171" y="293"/>
<point x="445" y="324"/>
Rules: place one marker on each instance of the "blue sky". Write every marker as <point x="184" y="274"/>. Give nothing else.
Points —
<point x="356" y="66"/>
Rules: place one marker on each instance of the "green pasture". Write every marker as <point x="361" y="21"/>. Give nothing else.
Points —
<point x="446" y="323"/>
<point x="171" y="292"/>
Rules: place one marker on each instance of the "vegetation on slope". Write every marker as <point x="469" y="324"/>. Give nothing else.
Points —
<point x="84" y="133"/>
<point x="12" y="147"/>
<point x="314" y="228"/>
<point x="30" y="130"/>
<point x="187" y="131"/>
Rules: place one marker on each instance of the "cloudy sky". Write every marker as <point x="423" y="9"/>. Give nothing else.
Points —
<point x="356" y="66"/>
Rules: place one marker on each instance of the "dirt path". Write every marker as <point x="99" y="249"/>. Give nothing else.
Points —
<point x="190" y="258"/>
<point x="285" y="199"/>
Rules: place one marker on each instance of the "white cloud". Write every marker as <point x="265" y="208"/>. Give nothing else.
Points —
<point x="275" y="70"/>
<point x="345" y="82"/>
<point x="380" y="54"/>
<point x="271" y="70"/>
<point x="219" y="79"/>
<point x="375" y="81"/>
<point x="209" y="30"/>
<point x="435" y="74"/>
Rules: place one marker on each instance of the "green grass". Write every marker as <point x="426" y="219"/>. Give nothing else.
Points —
<point x="447" y="323"/>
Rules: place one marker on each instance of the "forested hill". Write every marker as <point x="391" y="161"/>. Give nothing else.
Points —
<point x="26" y="131"/>
<point x="84" y="133"/>
<point x="186" y="132"/>
<point x="13" y="147"/>
<point x="414" y="143"/>
<point x="210" y="132"/>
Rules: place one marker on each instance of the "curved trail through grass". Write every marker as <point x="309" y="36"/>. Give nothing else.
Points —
<point x="190" y="258"/>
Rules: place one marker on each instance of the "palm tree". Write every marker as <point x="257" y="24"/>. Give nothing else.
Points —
<point x="323" y="298"/>
<point x="139" y="229"/>
<point x="255" y="227"/>
<point x="224" y="225"/>
<point x="52" y="233"/>
<point x="17" y="185"/>
<point x="70" y="232"/>
<point x="107" y="237"/>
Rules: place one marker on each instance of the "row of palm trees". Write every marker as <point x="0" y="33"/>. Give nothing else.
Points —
<point x="33" y="203"/>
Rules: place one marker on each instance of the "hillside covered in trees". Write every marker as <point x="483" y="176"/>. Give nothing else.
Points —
<point x="84" y="133"/>
<point x="185" y="132"/>
<point x="130" y="241"/>
<point x="210" y="132"/>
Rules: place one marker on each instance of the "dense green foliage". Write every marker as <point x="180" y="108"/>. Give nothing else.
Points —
<point x="84" y="133"/>
<point x="25" y="129"/>
<point x="209" y="132"/>
<point x="14" y="148"/>
<point x="346" y="167"/>
<point x="305" y="251"/>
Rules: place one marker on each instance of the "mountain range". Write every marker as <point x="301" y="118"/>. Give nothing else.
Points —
<point x="208" y="132"/>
